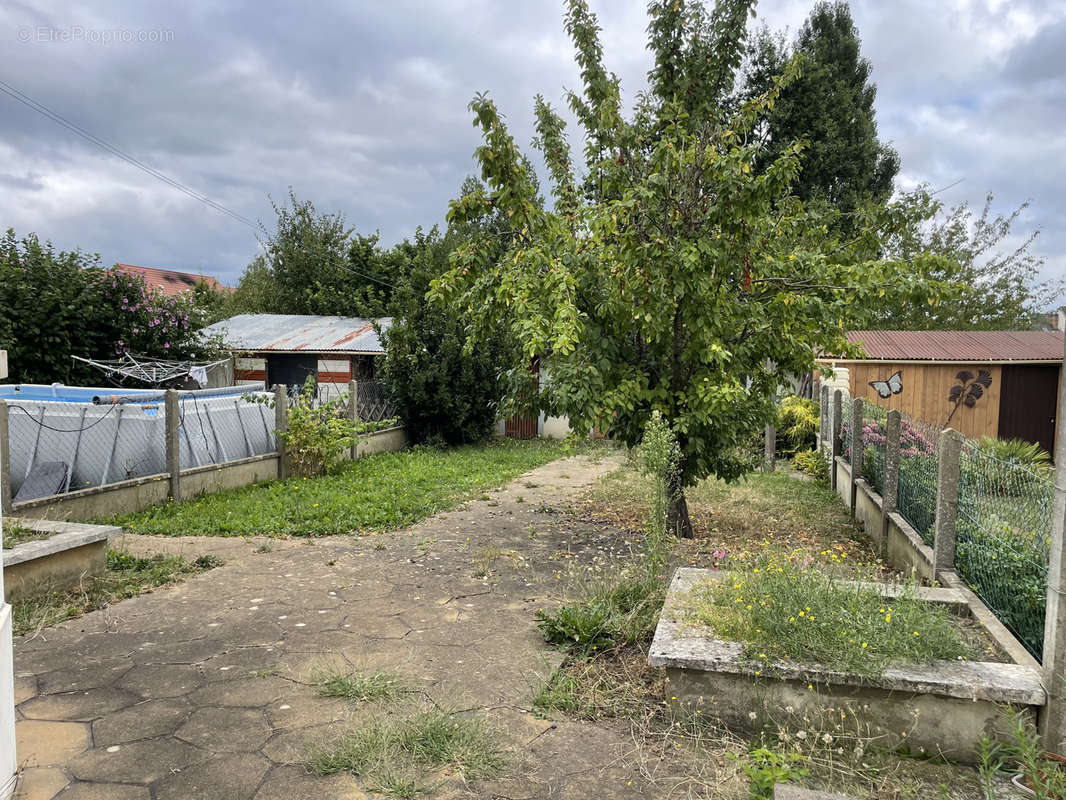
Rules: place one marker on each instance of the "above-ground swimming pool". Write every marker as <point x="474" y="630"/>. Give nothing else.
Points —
<point x="101" y="395"/>
<point x="87" y="437"/>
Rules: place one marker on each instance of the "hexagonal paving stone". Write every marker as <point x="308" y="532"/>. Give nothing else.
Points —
<point x="286" y="783"/>
<point x="136" y="762"/>
<point x="40" y="783"/>
<point x="190" y="652"/>
<point x="393" y="627"/>
<point x="162" y="680"/>
<point x="42" y="744"/>
<point x="291" y="747"/>
<point x="87" y="705"/>
<point x="93" y="676"/>
<point x="301" y="708"/>
<point x="105" y="791"/>
<point x="240" y="662"/>
<point x="250" y="692"/>
<point x="25" y="688"/>
<point x="146" y="720"/>
<point x="219" y="778"/>
<point x="226" y="730"/>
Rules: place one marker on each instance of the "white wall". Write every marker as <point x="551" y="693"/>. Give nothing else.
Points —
<point x="7" y="671"/>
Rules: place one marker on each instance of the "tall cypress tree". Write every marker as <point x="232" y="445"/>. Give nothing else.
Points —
<point x="831" y="105"/>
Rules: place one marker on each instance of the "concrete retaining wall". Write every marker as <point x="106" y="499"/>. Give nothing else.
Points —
<point x="941" y="707"/>
<point x="140" y="493"/>
<point x="73" y="552"/>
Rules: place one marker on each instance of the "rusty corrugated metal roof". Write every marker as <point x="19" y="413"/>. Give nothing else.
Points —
<point x="960" y="345"/>
<point x="295" y="333"/>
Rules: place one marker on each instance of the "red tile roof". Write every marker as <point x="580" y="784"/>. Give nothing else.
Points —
<point x="168" y="281"/>
<point x="960" y="345"/>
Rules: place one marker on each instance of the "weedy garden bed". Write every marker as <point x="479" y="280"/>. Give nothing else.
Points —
<point x="932" y="697"/>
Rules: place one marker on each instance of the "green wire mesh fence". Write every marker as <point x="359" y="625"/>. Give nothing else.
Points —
<point x="874" y="421"/>
<point x="845" y="429"/>
<point x="1003" y="538"/>
<point x="916" y="497"/>
<point x="1005" y="504"/>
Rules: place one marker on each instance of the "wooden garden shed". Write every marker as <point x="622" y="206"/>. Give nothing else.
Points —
<point x="982" y="383"/>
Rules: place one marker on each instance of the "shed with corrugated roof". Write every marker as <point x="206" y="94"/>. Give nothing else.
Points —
<point x="982" y="383"/>
<point x="286" y="348"/>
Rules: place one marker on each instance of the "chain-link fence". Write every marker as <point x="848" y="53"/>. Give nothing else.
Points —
<point x="57" y="447"/>
<point x="1003" y="538"/>
<point x="846" y="433"/>
<point x="375" y="403"/>
<point x="874" y="421"/>
<point x="215" y="430"/>
<point x="918" y="466"/>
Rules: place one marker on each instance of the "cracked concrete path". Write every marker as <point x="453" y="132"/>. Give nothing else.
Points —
<point x="204" y="689"/>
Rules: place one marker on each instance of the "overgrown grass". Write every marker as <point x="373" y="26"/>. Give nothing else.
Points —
<point x="596" y="687"/>
<point x="739" y="520"/>
<point x="619" y="610"/>
<point x="695" y="754"/>
<point x="15" y="533"/>
<point x="783" y="611"/>
<point x="380" y="492"/>
<point x="376" y="686"/>
<point x="394" y="755"/>
<point x="126" y="576"/>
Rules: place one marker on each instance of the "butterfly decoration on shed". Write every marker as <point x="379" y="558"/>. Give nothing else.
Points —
<point x="968" y="390"/>
<point x="894" y="385"/>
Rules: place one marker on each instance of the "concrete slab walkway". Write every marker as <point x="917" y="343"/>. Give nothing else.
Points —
<point x="204" y="690"/>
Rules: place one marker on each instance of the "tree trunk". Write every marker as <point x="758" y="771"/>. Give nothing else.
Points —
<point x="677" y="518"/>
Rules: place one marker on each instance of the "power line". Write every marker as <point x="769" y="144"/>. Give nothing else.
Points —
<point x="29" y="102"/>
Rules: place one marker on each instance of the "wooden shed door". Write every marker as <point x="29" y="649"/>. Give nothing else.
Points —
<point x="1027" y="401"/>
<point x="523" y="426"/>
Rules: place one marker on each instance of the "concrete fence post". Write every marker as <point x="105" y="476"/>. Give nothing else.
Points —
<point x="835" y="423"/>
<point x="947" y="500"/>
<point x="172" y="422"/>
<point x="823" y="414"/>
<point x="353" y="412"/>
<point x="281" y="425"/>
<point x="890" y="495"/>
<point x="1052" y="720"/>
<point x="5" y="462"/>
<point x="858" y="452"/>
<point x="769" y="448"/>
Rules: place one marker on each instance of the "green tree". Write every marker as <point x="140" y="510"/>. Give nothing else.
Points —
<point x="680" y="277"/>
<point x="830" y="105"/>
<point x="58" y="304"/>
<point x="444" y="391"/>
<point x="994" y="279"/>
<point x="256" y="292"/>
<point x="314" y="263"/>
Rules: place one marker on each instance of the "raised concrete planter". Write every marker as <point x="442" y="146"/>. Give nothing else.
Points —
<point x="73" y="551"/>
<point x="943" y="706"/>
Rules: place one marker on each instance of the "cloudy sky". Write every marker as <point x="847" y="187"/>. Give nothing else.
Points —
<point x="361" y="107"/>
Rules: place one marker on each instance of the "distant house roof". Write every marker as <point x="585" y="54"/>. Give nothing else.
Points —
<point x="966" y="346"/>
<point x="168" y="281"/>
<point x="300" y="333"/>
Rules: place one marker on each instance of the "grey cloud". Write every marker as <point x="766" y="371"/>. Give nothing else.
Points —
<point x="363" y="109"/>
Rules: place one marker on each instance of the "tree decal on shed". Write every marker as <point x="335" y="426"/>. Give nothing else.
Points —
<point x="968" y="390"/>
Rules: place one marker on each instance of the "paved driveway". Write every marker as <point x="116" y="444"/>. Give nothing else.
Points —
<point x="204" y="690"/>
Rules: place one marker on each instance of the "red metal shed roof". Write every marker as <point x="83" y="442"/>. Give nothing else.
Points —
<point x="168" y="281"/>
<point x="960" y="345"/>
